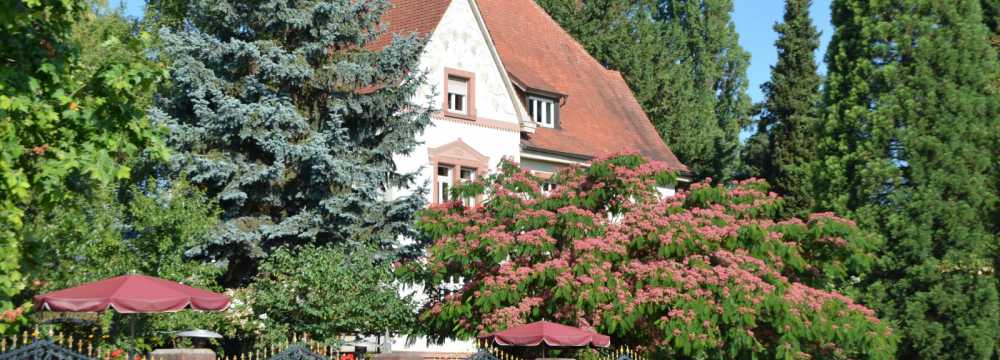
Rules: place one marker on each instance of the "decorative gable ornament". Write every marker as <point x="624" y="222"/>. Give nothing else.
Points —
<point x="458" y="153"/>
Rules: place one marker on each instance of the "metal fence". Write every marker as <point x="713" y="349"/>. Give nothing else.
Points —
<point x="492" y="352"/>
<point x="42" y="350"/>
<point x="58" y="347"/>
<point x="52" y="346"/>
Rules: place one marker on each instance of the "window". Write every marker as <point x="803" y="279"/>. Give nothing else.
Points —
<point x="454" y="163"/>
<point x="444" y="181"/>
<point x="542" y="110"/>
<point x="467" y="175"/>
<point x="547" y="187"/>
<point x="458" y="95"/>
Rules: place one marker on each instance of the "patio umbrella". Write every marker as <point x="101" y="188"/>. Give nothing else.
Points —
<point x="131" y="294"/>
<point x="548" y="334"/>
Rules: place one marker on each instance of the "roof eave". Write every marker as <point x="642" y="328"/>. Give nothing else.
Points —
<point x="527" y="126"/>
<point x="579" y="157"/>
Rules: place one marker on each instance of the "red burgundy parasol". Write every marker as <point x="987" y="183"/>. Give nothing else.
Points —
<point x="551" y="334"/>
<point x="132" y="294"/>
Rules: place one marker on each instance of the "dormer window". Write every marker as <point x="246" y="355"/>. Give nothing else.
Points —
<point x="542" y="110"/>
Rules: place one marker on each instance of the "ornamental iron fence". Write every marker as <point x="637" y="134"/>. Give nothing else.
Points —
<point x="53" y="346"/>
<point x="42" y="350"/>
<point x="33" y="346"/>
<point x="59" y="347"/>
<point x="489" y="351"/>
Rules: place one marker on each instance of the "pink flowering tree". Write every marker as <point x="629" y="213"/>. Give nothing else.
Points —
<point x="708" y="272"/>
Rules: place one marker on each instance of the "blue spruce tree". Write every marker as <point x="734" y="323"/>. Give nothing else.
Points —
<point x="286" y="114"/>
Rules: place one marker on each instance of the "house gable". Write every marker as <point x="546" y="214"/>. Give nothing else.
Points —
<point x="460" y="43"/>
<point x="598" y="114"/>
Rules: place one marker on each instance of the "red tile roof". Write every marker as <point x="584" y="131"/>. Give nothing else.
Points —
<point x="411" y="16"/>
<point x="599" y="115"/>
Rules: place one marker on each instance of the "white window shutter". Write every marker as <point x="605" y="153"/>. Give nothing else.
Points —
<point x="458" y="86"/>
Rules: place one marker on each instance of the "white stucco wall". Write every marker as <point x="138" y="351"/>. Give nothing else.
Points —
<point x="458" y="43"/>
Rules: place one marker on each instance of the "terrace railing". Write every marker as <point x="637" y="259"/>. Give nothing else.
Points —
<point x="52" y="346"/>
<point x="58" y="347"/>
<point x="493" y="352"/>
<point x="42" y="350"/>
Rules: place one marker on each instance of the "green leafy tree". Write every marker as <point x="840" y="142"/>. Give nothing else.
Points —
<point x="784" y="144"/>
<point x="66" y="121"/>
<point x="287" y="117"/>
<point x="126" y="229"/>
<point x="326" y="291"/>
<point x="682" y="60"/>
<point x="909" y="146"/>
<point x="709" y="273"/>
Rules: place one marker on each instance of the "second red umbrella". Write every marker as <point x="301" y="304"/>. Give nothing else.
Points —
<point x="548" y="333"/>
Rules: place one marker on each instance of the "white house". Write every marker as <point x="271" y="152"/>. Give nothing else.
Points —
<point x="510" y="83"/>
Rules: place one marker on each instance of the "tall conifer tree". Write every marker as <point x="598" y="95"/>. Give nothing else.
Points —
<point x="682" y="60"/>
<point x="285" y="115"/>
<point x="908" y="149"/>
<point x="785" y="141"/>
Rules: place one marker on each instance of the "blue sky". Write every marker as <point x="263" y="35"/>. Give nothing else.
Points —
<point x="754" y="19"/>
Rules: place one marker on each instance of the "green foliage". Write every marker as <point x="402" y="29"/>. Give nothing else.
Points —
<point x="326" y="291"/>
<point x="991" y="17"/>
<point x="683" y="62"/>
<point x="67" y="118"/>
<point x="910" y="148"/>
<point x="286" y="116"/>
<point x="784" y="144"/>
<point x="122" y="230"/>
<point x="126" y="229"/>
<point x="709" y="273"/>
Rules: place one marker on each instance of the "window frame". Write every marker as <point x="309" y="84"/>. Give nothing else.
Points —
<point x="541" y="99"/>
<point x="462" y="106"/>
<point x="468" y="201"/>
<point x="454" y="178"/>
<point x="455" y="155"/>
<point x="470" y="97"/>
<point x="441" y="195"/>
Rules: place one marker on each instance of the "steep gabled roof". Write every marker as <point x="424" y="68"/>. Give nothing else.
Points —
<point x="599" y="115"/>
<point x="406" y="17"/>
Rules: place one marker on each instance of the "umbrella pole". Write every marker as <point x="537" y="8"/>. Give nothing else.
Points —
<point x="131" y="332"/>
